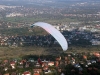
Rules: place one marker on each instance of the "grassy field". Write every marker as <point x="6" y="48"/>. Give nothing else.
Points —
<point x="15" y="52"/>
<point x="38" y="19"/>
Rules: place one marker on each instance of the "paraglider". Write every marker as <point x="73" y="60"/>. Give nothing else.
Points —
<point x="54" y="32"/>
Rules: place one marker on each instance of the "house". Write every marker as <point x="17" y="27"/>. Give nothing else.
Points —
<point x="12" y="64"/>
<point x="6" y="74"/>
<point x="77" y="65"/>
<point x="58" y="58"/>
<point x="44" y="64"/>
<point x="56" y="63"/>
<point x="96" y="54"/>
<point x="37" y="64"/>
<point x="36" y="74"/>
<point x="26" y="73"/>
<point x="22" y="62"/>
<point x="45" y="68"/>
<point x="6" y="68"/>
<point x="95" y="42"/>
<point x="84" y="57"/>
<point x="37" y="70"/>
<point x="5" y="61"/>
<point x="51" y="63"/>
<point x="47" y="71"/>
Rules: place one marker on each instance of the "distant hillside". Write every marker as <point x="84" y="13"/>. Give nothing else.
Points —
<point x="43" y="0"/>
<point x="23" y="2"/>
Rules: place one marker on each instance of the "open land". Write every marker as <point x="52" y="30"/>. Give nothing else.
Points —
<point x="16" y="52"/>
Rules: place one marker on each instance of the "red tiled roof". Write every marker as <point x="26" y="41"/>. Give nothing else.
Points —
<point x="45" y="68"/>
<point x="5" y="61"/>
<point x="57" y="63"/>
<point x="6" y="74"/>
<point x="50" y="63"/>
<point x="12" y="62"/>
<point x="58" y="59"/>
<point x="27" y="72"/>
<point x="37" y="70"/>
<point x="36" y="74"/>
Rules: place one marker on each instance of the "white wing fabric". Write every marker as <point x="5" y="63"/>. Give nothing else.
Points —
<point x="55" y="33"/>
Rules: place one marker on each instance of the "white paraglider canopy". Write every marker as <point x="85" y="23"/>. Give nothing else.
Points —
<point x="55" y="33"/>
